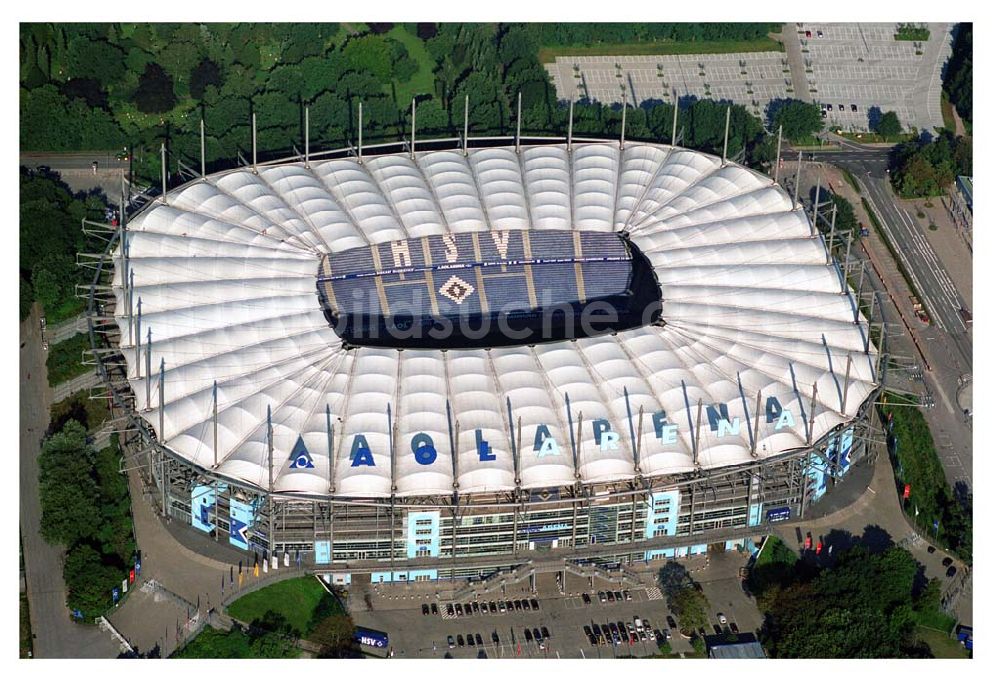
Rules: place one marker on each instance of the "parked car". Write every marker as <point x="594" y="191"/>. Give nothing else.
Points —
<point x="618" y="596"/>
<point x="425" y="610"/>
<point x="434" y="609"/>
<point x="510" y="605"/>
<point x="527" y="634"/>
<point x="475" y="607"/>
<point x="947" y="562"/>
<point x="545" y="632"/>
<point x="468" y="609"/>
<point x="671" y="622"/>
<point x="458" y="610"/>
<point x="517" y="605"/>
<point x="503" y="607"/>
<point x="534" y="604"/>
<point x="809" y="34"/>
<point x="482" y="654"/>
<point x="493" y="607"/>
<point x="461" y="641"/>
<point x="819" y="34"/>
<point x="451" y="642"/>
<point x="854" y="108"/>
<point x="734" y="628"/>
<point x="601" y="596"/>
<point x="628" y="595"/>
<point x="622" y="630"/>
<point x="722" y="618"/>
<point x="951" y="571"/>
<point x="840" y="107"/>
<point x="479" y="639"/>
<point x="537" y="635"/>
<point x="470" y="640"/>
<point x="586" y="598"/>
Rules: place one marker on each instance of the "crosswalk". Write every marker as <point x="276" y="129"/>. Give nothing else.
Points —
<point x="654" y="594"/>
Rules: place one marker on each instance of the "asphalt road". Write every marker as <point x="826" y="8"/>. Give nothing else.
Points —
<point x="933" y="282"/>
<point x="56" y="635"/>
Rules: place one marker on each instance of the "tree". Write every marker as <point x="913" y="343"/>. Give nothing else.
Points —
<point x="67" y="490"/>
<point x="89" y="581"/>
<point x="672" y="578"/>
<point x="97" y="59"/>
<point x="204" y="74"/>
<point x="691" y="609"/>
<point x="155" y="93"/>
<point x="799" y="120"/>
<point x="369" y="54"/>
<point x="889" y="125"/>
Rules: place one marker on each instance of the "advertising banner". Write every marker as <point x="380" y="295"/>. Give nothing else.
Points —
<point x="322" y="549"/>
<point x="241" y="517"/>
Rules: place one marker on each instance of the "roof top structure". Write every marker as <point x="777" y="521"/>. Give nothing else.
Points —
<point x="256" y="386"/>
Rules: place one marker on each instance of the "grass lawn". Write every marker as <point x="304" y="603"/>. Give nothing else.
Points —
<point x="549" y="54"/>
<point x="936" y="620"/>
<point x="90" y="413"/>
<point x="871" y="137"/>
<point x="947" y="113"/>
<point x="942" y="645"/>
<point x="68" y="308"/>
<point x="295" y="599"/>
<point x="65" y="359"/>
<point x="422" y="81"/>
<point x="212" y="643"/>
<point x="25" y="633"/>
<point x="773" y="552"/>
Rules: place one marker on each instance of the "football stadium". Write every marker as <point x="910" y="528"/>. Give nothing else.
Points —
<point x="443" y="359"/>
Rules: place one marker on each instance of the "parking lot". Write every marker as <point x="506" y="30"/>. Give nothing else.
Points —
<point x="559" y="618"/>
<point x="844" y="64"/>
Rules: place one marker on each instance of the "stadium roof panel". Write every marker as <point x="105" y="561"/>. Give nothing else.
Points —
<point x="227" y="271"/>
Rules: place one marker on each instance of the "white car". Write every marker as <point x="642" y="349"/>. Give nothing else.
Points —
<point x="722" y="618"/>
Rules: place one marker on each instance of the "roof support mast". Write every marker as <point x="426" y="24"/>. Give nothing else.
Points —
<point x="569" y="130"/>
<point x="162" y="439"/>
<point x="815" y="226"/>
<point x="215" y="424"/>
<point x="307" y="138"/>
<point x="673" y="131"/>
<point x="833" y="228"/>
<point x="847" y="257"/>
<point x="777" y="155"/>
<point x="149" y="364"/>
<point x="517" y="133"/>
<point x="621" y="144"/>
<point x="465" y="129"/>
<point x="253" y="139"/>
<point x="361" y="159"/>
<point x="163" y="172"/>
<point x="725" y="138"/>
<point x="413" y="129"/>
<point x="138" y="338"/>
<point x="798" y="172"/>
<point x="202" y="148"/>
<point x="329" y="447"/>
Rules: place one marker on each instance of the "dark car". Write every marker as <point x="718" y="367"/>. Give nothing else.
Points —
<point x="434" y="609"/>
<point x="951" y="571"/>
<point x="809" y="34"/>
<point x="517" y="605"/>
<point x="479" y="639"/>
<point x="586" y="598"/>
<point x="493" y="607"/>
<point x="854" y="108"/>
<point x="510" y="605"/>
<point x="619" y="597"/>
<point x="475" y="607"/>
<point x="717" y="628"/>
<point x="671" y="622"/>
<point x="593" y="639"/>
<point x="527" y="634"/>
<point x="545" y="632"/>
<point x="450" y="609"/>
<point x="734" y="628"/>
<point x="931" y="549"/>
<point x="461" y="641"/>
<point x="470" y="640"/>
<point x="658" y="636"/>
<point x="840" y="106"/>
<point x="537" y="635"/>
<point x="587" y="631"/>
<point x="621" y="629"/>
<point x="524" y="604"/>
<point x="534" y="604"/>
<point x="601" y="596"/>
<point x="482" y="654"/>
<point x="947" y="562"/>
<point x="458" y="610"/>
<point x="468" y="609"/>
<point x="451" y="642"/>
<point x="628" y="595"/>
<point x="424" y="609"/>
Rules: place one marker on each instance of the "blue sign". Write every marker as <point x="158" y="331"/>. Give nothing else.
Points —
<point x="138" y="566"/>
<point x="202" y="502"/>
<point x="114" y="595"/>
<point x="241" y="517"/>
<point x="322" y="550"/>
<point x="372" y="638"/>
<point x="779" y="514"/>
<point x="77" y="613"/>
<point x="300" y="458"/>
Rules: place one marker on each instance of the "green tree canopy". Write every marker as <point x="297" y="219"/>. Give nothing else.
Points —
<point x="155" y="93"/>
<point x="889" y="125"/>
<point x="799" y="120"/>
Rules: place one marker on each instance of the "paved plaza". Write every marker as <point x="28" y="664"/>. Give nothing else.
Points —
<point x="860" y="65"/>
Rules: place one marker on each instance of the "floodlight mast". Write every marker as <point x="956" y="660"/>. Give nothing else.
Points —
<point x="569" y="130"/>
<point x="163" y="172"/>
<point x="202" y="148"/>
<point x="725" y="139"/>
<point x="253" y="130"/>
<point x="777" y="158"/>
<point x="621" y="144"/>
<point x="360" y="157"/>
<point x="673" y="131"/>
<point x="413" y="128"/>
<point x="465" y="128"/>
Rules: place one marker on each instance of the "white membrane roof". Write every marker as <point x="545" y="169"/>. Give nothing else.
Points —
<point x="226" y="270"/>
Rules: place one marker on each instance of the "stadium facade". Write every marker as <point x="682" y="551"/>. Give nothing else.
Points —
<point x="265" y="335"/>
